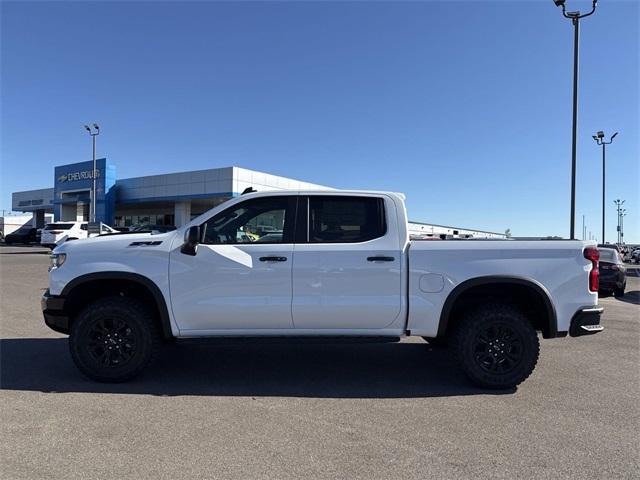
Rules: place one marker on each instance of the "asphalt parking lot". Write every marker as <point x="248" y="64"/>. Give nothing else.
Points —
<point x="246" y="410"/>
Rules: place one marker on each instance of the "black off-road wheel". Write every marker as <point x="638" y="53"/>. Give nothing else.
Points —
<point x="496" y="346"/>
<point x="113" y="339"/>
<point x="619" y="292"/>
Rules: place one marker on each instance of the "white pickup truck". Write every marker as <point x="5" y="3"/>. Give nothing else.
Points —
<point x="318" y="263"/>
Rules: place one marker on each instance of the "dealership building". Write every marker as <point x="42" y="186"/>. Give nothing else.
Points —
<point x="168" y="199"/>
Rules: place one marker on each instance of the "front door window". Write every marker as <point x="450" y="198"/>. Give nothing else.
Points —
<point x="262" y="220"/>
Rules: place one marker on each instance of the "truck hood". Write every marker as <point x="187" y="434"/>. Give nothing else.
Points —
<point x="118" y="241"/>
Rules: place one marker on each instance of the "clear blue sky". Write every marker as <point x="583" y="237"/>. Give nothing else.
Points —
<point x="464" y="106"/>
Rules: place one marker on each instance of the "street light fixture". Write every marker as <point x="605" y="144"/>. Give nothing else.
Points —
<point x="599" y="138"/>
<point x="93" y="134"/>
<point x="575" y="20"/>
<point x="618" y="203"/>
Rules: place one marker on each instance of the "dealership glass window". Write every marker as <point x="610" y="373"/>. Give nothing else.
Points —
<point x="335" y="219"/>
<point x="135" y="220"/>
<point x="263" y="220"/>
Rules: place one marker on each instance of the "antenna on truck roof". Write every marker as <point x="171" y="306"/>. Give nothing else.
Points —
<point x="248" y="190"/>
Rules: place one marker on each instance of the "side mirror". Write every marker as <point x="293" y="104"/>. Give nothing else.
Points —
<point x="191" y="240"/>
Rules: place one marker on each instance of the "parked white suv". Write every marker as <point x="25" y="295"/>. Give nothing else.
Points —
<point x="54" y="234"/>
<point x="322" y="264"/>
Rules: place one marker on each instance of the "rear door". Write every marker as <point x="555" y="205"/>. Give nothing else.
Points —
<point x="347" y="265"/>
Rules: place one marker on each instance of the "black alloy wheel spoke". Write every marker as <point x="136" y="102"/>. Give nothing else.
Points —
<point x="498" y="349"/>
<point x="111" y="342"/>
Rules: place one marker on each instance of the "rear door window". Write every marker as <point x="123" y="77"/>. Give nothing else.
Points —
<point x="345" y="219"/>
<point x="608" y="255"/>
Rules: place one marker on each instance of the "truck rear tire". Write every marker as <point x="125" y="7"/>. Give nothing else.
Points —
<point x="496" y="346"/>
<point x="113" y="339"/>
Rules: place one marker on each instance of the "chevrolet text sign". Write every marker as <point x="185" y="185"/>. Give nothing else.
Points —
<point x="74" y="176"/>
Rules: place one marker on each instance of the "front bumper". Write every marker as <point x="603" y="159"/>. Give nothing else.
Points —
<point x="586" y="321"/>
<point x="55" y="316"/>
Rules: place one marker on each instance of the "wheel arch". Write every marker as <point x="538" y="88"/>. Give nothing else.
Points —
<point x="116" y="282"/>
<point x="501" y="286"/>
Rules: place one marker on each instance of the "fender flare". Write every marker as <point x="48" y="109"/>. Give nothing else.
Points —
<point x="541" y="290"/>
<point x="161" y="304"/>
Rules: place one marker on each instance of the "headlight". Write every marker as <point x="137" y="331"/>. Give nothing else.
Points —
<point x="57" y="259"/>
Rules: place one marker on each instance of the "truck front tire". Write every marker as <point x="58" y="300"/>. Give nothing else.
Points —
<point x="113" y="339"/>
<point x="496" y="346"/>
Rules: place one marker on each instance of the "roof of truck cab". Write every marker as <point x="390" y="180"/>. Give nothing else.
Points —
<point x="327" y="192"/>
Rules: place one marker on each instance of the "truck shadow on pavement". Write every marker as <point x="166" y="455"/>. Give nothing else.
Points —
<point x="632" y="297"/>
<point x="227" y="368"/>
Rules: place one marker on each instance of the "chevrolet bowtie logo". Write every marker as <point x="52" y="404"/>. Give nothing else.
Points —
<point x="62" y="178"/>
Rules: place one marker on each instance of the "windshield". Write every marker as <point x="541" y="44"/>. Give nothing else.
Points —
<point x="59" y="226"/>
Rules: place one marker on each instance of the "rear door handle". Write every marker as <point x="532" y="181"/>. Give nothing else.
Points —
<point x="273" y="259"/>
<point x="380" y="259"/>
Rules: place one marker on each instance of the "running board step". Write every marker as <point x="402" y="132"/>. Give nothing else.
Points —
<point x="592" y="328"/>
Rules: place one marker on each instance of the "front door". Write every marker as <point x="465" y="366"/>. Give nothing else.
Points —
<point x="347" y="266"/>
<point x="240" y="277"/>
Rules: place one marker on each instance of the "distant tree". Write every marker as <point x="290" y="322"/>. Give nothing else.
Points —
<point x="507" y="233"/>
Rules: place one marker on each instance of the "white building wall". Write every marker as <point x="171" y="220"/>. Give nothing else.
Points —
<point x="198" y="183"/>
<point x="244" y="178"/>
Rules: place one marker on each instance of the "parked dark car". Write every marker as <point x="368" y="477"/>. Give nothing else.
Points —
<point x="613" y="246"/>
<point x="22" y="235"/>
<point x="613" y="273"/>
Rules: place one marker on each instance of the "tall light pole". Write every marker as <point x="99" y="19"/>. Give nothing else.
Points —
<point x="599" y="138"/>
<point x="623" y="213"/>
<point x="94" y="133"/>
<point x="575" y="19"/>
<point x="618" y="203"/>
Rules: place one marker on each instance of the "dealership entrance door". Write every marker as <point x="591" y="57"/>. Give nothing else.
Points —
<point x="75" y="206"/>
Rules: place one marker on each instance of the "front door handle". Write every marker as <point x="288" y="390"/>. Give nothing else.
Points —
<point x="380" y="259"/>
<point x="273" y="259"/>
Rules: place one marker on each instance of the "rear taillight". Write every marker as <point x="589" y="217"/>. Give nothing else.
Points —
<point x="591" y="253"/>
